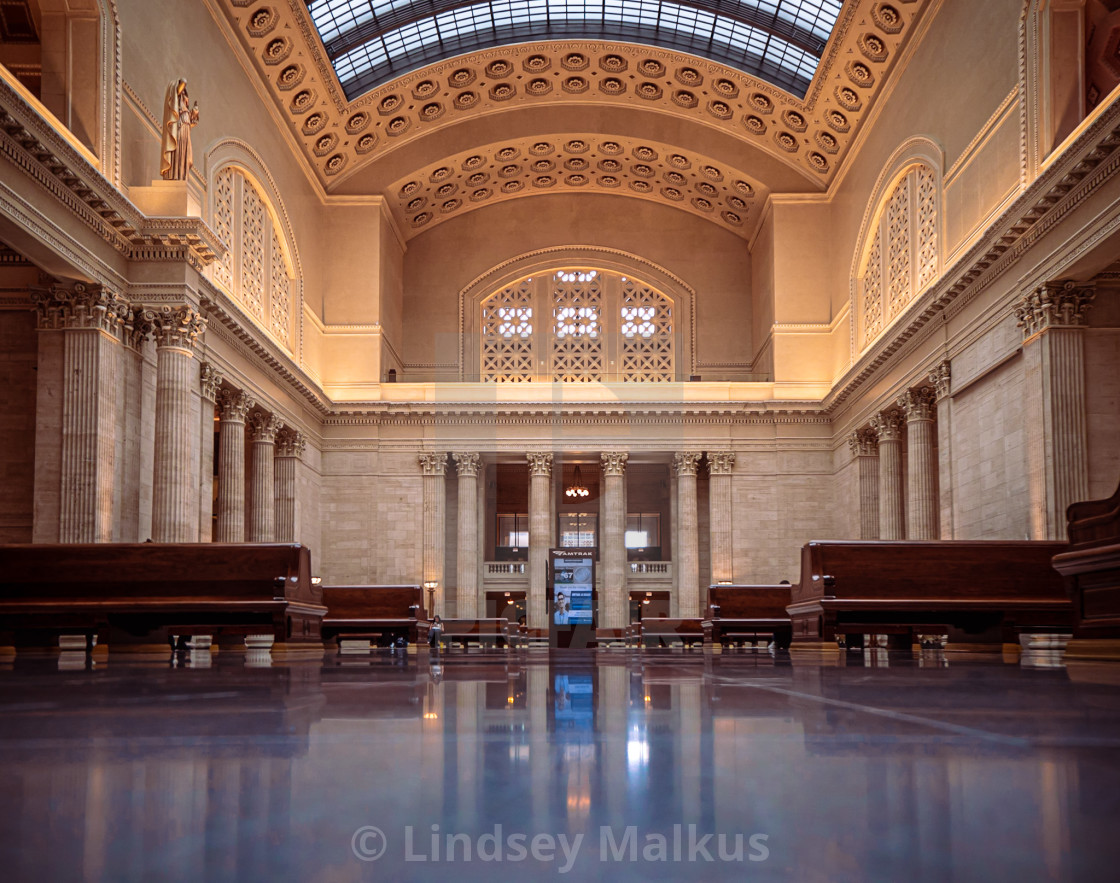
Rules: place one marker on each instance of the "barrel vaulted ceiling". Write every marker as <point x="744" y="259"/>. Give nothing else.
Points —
<point x="447" y="105"/>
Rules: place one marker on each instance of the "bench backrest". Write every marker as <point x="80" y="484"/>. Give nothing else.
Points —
<point x="948" y="569"/>
<point x="476" y="626"/>
<point x="748" y="602"/>
<point x="660" y="625"/>
<point x="374" y="602"/>
<point x="1094" y="522"/>
<point x="157" y="570"/>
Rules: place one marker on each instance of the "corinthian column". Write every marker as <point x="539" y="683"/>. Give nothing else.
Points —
<point x="290" y="445"/>
<point x="209" y="381"/>
<point x="466" y="562"/>
<point x="91" y="319"/>
<point x="174" y="507"/>
<point x="720" y="466"/>
<point x="921" y="476"/>
<point x="434" y="466"/>
<point x="233" y="408"/>
<point x="262" y="484"/>
<point x="940" y="377"/>
<point x="688" y="537"/>
<point x="865" y="448"/>
<point x="888" y="429"/>
<point x="540" y="519"/>
<point x="612" y="549"/>
<point x="1052" y="319"/>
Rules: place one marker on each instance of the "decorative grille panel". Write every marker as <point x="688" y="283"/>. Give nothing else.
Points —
<point x="252" y="253"/>
<point x="927" y="228"/>
<point x="873" y="290"/>
<point x="280" y="285"/>
<point x="223" y="226"/>
<point x="898" y="248"/>
<point x="577" y="340"/>
<point x="647" y="334"/>
<point x="507" y="334"/>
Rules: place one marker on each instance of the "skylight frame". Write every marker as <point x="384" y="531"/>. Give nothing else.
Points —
<point x="371" y="42"/>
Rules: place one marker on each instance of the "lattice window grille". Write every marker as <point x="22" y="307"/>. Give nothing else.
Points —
<point x="252" y="250"/>
<point x="224" y="227"/>
<point x="899" y="283"/>
<point x="646" y="329"/>
<point x="507" y="334"/>
<point x="577" y="344"/>
<point x="873" y="290"/>
<point x="280" y="285"/>
<point x="927" y="229"/>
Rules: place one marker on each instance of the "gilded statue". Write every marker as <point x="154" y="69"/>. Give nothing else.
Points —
<point x="178" y="119"/>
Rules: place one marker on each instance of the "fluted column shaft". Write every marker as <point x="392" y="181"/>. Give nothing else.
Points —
<point x="540" y="518"/>
<point x="262" y="485"/>
<point x="921" y="478"/>
<point x="290" y="446"/>
<point x="1052" y="319"/>
<point x="888" y="429"/>
<point x="865" y="449"/>
<point x="210" y="379"/>
<point x="466" y="561"/>
<point x="940" y="378"/>
<point x="234" y="407"/>
<point x="688" y="534"/>
<point x="174" y="508"/>
<point x="720" y="466"/>
<point x="615" y="606"/>
<point x="434" y="467"/>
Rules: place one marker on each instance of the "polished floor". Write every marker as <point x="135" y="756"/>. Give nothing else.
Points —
<point x="616" y="765"/>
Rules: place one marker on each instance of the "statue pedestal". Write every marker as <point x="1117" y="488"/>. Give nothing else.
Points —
<point x="168" y="199"/>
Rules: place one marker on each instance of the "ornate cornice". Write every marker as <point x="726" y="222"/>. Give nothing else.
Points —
<point x="864" y="443"/>
<point x="614" y="462"/>
<point x="721" y="462"/>
<point x="264" y="427"/>
<point x="290" y="443"/>
<point x="234" y="405"/>
<point x="686" y="462"/>
<point x="466" y="464"/>
<point x="888" y="425"/>
<point x="1054" y="305"/>
<point x="433" y="463"/>
<point x="539" y="463"/>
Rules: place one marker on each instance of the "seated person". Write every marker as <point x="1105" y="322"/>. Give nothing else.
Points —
<point x="435" y="631"/>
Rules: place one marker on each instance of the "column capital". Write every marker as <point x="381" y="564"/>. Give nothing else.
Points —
<point x="264" y="427"/>
<point x="721" y="462"/>
<point x="433" y="462"/>
<point x="686" y="462"/>
<point x="466" y="463"/>
<point x="178" y="326"/>
<point x="614" y="462"/>
<point x="1054" y="305"/>
<point x="940" y="376"/>
<point x="81" y="305"/>
<point x="887" y="425"/>
<point x="540" y="463"/>
<point x="209" y="378"/>
<point x="290" y="443"/>
<point x="864" y="443"/>
<point x="918" y="404"/>
<point x="234" y="405"/>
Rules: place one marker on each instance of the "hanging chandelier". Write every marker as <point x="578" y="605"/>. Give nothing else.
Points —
<point x="577" y="490"/>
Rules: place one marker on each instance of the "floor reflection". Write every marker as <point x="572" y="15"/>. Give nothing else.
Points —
<point x="489" y="766"/>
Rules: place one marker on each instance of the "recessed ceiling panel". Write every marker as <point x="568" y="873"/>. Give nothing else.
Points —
<point x="372" y="41"/>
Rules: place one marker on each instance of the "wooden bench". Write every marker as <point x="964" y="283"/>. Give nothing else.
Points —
<point x="661" y="630"/>
<point x="139" y="592"/>
<point x="377" y="613"/>
<point x="739" y="612"/>
<point x="484" y="631"/>
<point x="989" y="590"/>
<point x="1091" y="567"/>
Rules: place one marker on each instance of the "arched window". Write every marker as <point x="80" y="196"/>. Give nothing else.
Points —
<point x="902" y="251"/>
<point x="577" y="324"/>
<point x="255" y="270"/>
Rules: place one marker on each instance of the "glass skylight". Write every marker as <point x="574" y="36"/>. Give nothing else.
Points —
<point x="372" y="41"/>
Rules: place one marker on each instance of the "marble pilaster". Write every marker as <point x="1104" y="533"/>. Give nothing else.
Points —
<point x="290" y="445"/>
<point x="433" y="465"/>
<point x="720" y="467"/>
<point x="233" y="410"/>
<point x="865" y="448"/>
<point x="888" y="430"/>
<point x="685" y="464"/>
<point x="615" y="606"/>
<point x="210" y="379"/>
<point x="467" y="586"/>
<point x="940" y="377"/>
<point x="921" y="479"/>
<point x="263" y="429"/>
<point x="540" y="531"/>
<point x="174" y="507"/>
